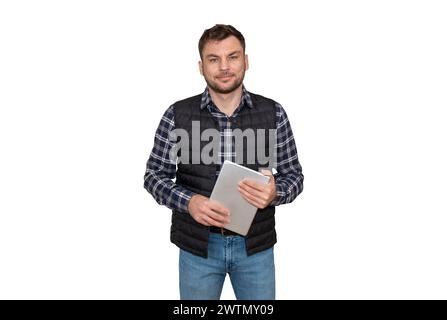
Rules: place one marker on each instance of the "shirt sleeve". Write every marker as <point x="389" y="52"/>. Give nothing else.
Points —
<point x="289" y="177"/>
<point x="160" y="169"/>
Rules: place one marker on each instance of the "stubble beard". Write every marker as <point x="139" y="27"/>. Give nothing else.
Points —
<point x="214" y="86"/>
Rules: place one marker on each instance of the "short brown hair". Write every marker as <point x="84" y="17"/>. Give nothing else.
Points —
<point x="220" y="32"/>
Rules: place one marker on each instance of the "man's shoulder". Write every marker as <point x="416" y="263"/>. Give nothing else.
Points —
<point x="185" y="108"/>
<point x="188" y="101"/>
<point x="268" y="103"/>
<point x="260" y="98"/>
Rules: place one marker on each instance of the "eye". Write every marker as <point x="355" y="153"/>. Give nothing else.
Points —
<point x="233" y="57"/>
<point x="212" y="60"/>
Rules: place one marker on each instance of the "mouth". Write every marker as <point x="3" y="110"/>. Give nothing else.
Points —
<point x="225" y="78"/>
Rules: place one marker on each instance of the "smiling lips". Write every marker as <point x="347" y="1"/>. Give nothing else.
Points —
<point x="224" y="77"/>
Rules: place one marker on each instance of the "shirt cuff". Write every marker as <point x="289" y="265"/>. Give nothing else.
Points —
<point x="280" y="195"/>
<point x="186" y="196"/>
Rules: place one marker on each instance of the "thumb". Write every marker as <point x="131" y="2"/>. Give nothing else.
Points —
<point x="266" y="172"/>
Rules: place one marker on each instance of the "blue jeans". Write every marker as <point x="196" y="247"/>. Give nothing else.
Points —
<point x="252" y="277"/>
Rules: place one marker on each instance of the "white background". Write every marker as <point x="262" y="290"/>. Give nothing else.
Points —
<point x="83" y="85"/>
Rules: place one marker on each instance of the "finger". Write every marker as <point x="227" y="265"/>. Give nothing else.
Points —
<point x="252" y="183"/>
<point x="211" y="222"/>
<point x="251" y="200"/>
<point x="267" y="173"/>
<point x="216" y="206"/>
<point x="254" y="192"/>
<point x="216" y="216"/>
<point x="256" y="201"/>
<point x="201" y="220"/>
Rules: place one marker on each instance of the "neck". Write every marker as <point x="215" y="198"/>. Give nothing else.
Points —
<point x="226" y="102"/>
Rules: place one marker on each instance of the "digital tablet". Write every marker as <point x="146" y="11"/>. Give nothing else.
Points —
<point x="226" y="192"/>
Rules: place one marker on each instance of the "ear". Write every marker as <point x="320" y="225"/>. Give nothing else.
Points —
<point x="201" y="68"/>
<point x="246" y="62"/>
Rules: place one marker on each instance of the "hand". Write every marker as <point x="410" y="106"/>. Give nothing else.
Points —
<point x="208" y="212"/>
<point x="258" y="194"/>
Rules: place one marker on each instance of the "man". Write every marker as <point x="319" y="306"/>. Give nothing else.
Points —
<point x="207" y="250"/>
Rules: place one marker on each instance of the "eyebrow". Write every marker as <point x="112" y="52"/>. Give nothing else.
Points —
<point x="212" y="55"/>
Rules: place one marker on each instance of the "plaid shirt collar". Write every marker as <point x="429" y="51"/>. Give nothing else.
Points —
<point x="245" y="100"/>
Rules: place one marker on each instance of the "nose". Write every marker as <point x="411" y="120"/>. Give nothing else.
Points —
<point x="224" y="65"/>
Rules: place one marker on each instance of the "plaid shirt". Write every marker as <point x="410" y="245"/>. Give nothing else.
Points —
<point x="160" y="170"/>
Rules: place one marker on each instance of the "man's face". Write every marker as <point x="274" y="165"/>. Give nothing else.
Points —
<point x="223" y="64"/>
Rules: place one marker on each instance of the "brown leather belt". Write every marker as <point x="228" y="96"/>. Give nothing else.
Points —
<point x="223" y="231"/>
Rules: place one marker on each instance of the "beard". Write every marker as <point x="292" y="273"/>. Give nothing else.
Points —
<point x="219" y="89"/>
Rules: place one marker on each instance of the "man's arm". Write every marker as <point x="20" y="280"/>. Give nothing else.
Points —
<point x="289" y="177"/>
<point x="287" y="183"/>
<point x="160" y="169"/>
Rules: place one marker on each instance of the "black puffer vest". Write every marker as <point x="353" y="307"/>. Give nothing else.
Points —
<point x="200" y="178"/>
